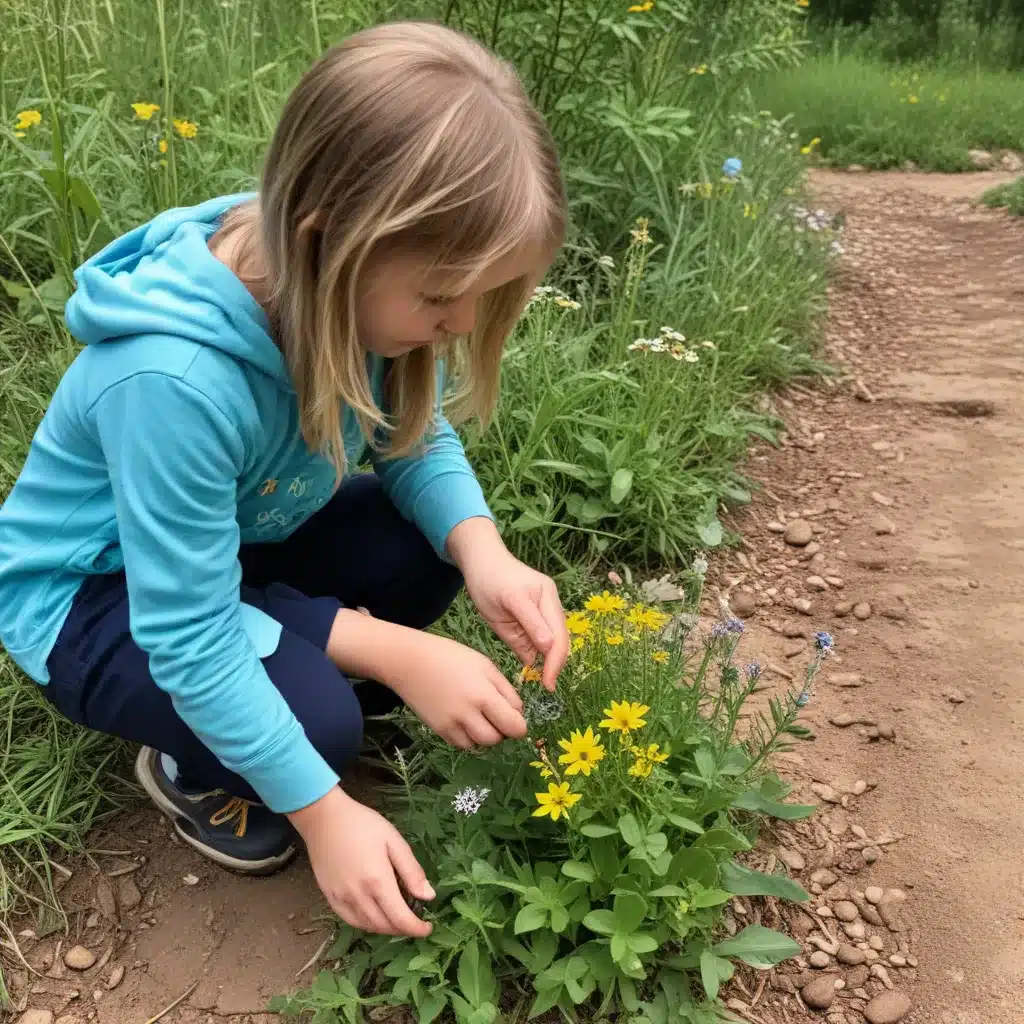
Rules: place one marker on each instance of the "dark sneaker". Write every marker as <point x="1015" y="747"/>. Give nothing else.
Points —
<point x="235" y="833"/>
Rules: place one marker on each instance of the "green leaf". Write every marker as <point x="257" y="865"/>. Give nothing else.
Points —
<point x="704" y="759"/>
<point x="669" y="892"/>
<point x="605" y="858"/>
<point x="686" y="824"/>
<point x="710" y="533"/>
<point x="744" y="882"/>
<point x="754" y="801"/>
<point x="690" y="865"/>
<point x="711" y="898"/>
<point x="476" y="979"/>
<point x="709" y="973"/>
<point x="559" y="919"/>
<point x="598" y="831"/>
<point x="629" y="910"/>
<point x="619" y="948"/>
<point x="546" y="998"/>
<point x="641" y="942"/>
<point x="531" y="917"/>
<point x="84" y="198"/>
<point x="600" y="921"/>
<point x="622" y="483"/>
<point x="630" y="830"/>
<point x="577" y="869"/>
<point x="721" y="839"/>
<point x="759" y="946"/>
<point x="431" y="1005"/>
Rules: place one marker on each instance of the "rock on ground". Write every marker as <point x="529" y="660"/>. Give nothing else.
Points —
<point x="888" y="1008"/>
<point x="820" y="993"/>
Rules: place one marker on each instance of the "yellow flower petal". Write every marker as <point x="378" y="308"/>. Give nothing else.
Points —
<point x="144" y="111"/>
<point x="624" y="716"/>
<point x="27" y="119"/>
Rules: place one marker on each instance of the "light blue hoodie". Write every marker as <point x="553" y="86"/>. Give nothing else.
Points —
<point x="173" y="438"/>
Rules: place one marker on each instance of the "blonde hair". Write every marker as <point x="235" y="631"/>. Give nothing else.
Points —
<point x="412" y="136"/>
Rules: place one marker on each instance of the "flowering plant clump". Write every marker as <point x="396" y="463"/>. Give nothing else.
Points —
<point x="587" y="868"/>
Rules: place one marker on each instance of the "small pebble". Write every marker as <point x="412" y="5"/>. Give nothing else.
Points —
<point x="845" y="910"/>
<point x="894" y="896"/>
<point x="824" y="911"/>
<point x="116" y="977"/>
<point x="859" y="787"/>
<point x="850" y="955"/>
<point x="798" y="533"/>
<point x="776" y="528"/>
<point x="190" y="879"/>
<point x="877" y="942"/>
<point x="820" y="993"/>
<point x="78" y="958"/>
<point x="802" y="605"/>
<point x="823" y="876"/>
<point x="855" y="930"/>
<point x="816" y="583"/>
<point x="827" y="793"/>
<point x="743" y="604"/>
<point x="842" y="608"/>
<point x="859" y="831"/>
<point x="883" y="526"/>
<point x="911" y="960"/>
<point x="873" y="894"/>
<point x="847" y="680"/>
<point x="886" y="731"/>
<point x="871" y="854"/>
<point x="862" y="611"/>
<point x="898" y="960"/>
<point x="792" y="859"/>
<point x="36" y="1017"/>
<point x="882" y="499"/>
<point x="819" y="959"/>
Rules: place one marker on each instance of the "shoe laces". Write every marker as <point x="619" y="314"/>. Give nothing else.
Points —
<point x="237" y="810"/>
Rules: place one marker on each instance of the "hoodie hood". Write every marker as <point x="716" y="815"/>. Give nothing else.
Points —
<point x="161" y="278"/>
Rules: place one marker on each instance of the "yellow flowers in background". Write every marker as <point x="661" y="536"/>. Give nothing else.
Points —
<point x="647" y="5"/>
<point x="24" y="120"/>
<point x="811" y="146"/>
<point x="558" y="800"/>
<point x="144" y="111"/>
<point x="624" y="717"/>
<point x="186" y="129"/>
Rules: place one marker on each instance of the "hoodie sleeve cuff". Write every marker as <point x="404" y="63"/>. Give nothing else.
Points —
<point x="291" y="776"/>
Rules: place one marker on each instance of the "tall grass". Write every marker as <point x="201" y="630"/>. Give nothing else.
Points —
<point x="598" y="450"/>
<point x="868" y="113"/>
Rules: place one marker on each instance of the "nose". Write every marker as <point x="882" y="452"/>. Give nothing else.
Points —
<point x="460" y="317"/>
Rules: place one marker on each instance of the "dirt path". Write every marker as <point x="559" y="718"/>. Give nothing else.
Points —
<point x="928" y="313"/>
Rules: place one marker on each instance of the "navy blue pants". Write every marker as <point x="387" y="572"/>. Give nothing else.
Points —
<point x="357" y="550"/>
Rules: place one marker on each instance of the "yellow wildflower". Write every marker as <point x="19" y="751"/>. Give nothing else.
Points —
<point x="579" y="624"/>
<point x="556" y="801"/>
<point x="660" y="657"/>
<point x="27" y="119"/>
<point x="912" y="99"/>
<point x="705" y="190"/>
<point x="614" y="639"/>
<point x="750" y="210"/>
<point x="803" y="3"/>
<point x="624" y="716"/>
<point x="605" y="604"/>
<point x="529" y="674"/>
<point x="700" y="69"/>
<point x="648" y="618"/>
<point x="162" y="145"/>
<point x="652" y="752"/>
<point x="641" y="768"/>
<point x="566" y="303"/>
<point x="578" y="643"/>
<point x="186" y="129"/>
<point x="643" y="8"/>
<point x="144" y="111"/>
<point x="582" y="752"/>
<point x="545" y="771"/>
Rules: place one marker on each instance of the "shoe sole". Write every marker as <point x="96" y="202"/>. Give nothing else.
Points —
<point x="144" y="772"/>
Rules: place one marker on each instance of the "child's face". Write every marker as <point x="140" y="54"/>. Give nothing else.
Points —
<point x="403" y="304"/>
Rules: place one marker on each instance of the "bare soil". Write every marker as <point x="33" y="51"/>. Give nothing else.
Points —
<point x="924" y="426"/>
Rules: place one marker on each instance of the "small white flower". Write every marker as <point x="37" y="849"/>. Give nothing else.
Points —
<point x="607" y="261"/>
<point x="691" y="356"/>
<point x="671" y="334"/>
<point x="469" y="800"/>
<point x="700" y="565"/>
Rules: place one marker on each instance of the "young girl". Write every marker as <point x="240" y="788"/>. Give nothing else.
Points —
<point x="188" y="556"/>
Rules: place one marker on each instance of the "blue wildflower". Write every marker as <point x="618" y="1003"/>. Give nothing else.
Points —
<point x="732" y="167"/>
<point x="754" y="671"/>
<point x="803" y="697"/>
<point x="721" y="629"/>
<point x="823" y="642"/>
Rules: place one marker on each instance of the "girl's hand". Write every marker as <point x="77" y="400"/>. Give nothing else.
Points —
<point x="457" y="692"/>
<point x="520" y="604"/>
<point x="359" y="858"/>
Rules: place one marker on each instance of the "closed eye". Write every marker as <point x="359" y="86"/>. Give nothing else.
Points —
<point x="438" y="300"/>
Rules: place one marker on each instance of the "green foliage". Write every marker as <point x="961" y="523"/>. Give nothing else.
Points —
<point x="867" y="113"/>
<point x="1009" y="197"/>
<point x="587" y="867"/>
